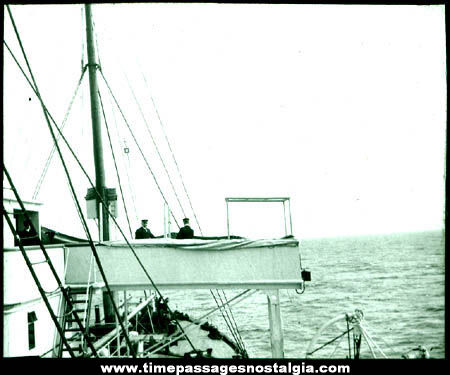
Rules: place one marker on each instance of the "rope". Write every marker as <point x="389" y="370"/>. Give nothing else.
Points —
<point x="236" y="334"/>
<point x="29" y="82"/>
<point x="156" y="147"/>
<point x="35" y="88"/>
<point x="99" y="197"/>
<point x="52" y="269"/>
<point x="331" y="341"/>
<point x="133" y="198"/>
<point x="137" y="144"/>
<point x="364" y="330"/>
<point x="176" y="336"/>
<point x="222" y="309"/>
<point x="368" y="343"/>
<point x="101" y="201"/>
<point x="173" y="156"/>
<point x="384" y="342"/>
<point x="348" y="336"/>
<point x="231" y="323"/>
<point x="338" y="344"/>
<point x="52" y="152"/>
<point x="115" y="164"/>
<point x="124" y="145"/>
<point x="235" y="325"/>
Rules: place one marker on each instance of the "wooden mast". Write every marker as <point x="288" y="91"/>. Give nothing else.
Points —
<point x="98" y="149"/>
<point x="96" y="124"/>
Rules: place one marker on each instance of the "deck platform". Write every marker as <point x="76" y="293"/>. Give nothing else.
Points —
<point x="189" y="264"/>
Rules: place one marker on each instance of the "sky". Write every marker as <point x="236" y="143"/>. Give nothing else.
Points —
<point x="341" y="108"/>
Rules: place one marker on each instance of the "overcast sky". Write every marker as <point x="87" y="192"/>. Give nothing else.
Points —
<point x="340" y="108"/>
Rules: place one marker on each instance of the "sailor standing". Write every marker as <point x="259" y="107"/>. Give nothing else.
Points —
<point x="143" y="232"/>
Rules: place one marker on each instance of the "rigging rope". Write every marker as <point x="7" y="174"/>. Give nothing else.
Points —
<point x="137" y="144"/>
<point x="133" y="198"/>
<point x="231" y="323"/>
<point x="52" y="151"/>
<point x="156" y="147"/>
<point x="46" y="115"/>
<point x="348" y="336"/>
<point x="222" y="310"/>
<point x="33" y="272"/>
<point x="173" y="155"/>
<point x="364" y="331"/>
<point x="115" y="164"/>
<point x="331" y="341"/>
<point x="34" y="89"/>
<point x="99" y="197"/>
<point x="124" y="147"/>
<point x="235" y="324"/>
<point x="91" y="243"/>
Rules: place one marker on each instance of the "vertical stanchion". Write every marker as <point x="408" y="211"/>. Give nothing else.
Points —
<point x="126" y="317"/>
<point x="290" y="216"/>
<point x="228" y="220"/>
<point x="276" y="328"/>
<point x="168" y="222"/>
<point x="165" y="221"/>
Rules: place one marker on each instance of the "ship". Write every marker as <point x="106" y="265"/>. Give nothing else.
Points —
<point x="67" y="296"/>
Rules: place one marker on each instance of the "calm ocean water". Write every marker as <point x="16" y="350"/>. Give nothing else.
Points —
<point x="397" y="280"/>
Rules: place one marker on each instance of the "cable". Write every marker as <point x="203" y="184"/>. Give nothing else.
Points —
<point x="173" y="155"/>
<point x="35" y="88"/>
<point x="156" y="147"/>
<point x="52" y="152"/>
<point x="229" y="321"/>
<point x="222" y="309"/>
<point x="331" y="341"/>
<point x="137" y="144"/>
<point x="99" y="197"/>
<point x="234" y="328"/>
<point x="124" y="146"/>
<point x="235" y="324"/>
<point x="115" y="164"/>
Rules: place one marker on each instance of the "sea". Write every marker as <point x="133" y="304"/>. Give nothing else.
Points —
<point x="396" y="280"/>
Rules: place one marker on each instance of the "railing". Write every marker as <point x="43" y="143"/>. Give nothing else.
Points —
<point x="264" y="200"/>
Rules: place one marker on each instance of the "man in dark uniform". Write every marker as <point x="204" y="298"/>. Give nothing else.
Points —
<point x="186" y="231"/>
<point x="143" y="232"/>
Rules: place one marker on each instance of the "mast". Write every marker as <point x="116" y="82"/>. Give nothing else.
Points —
<point x="98" y="152"/>
<point x="96" y="126"/>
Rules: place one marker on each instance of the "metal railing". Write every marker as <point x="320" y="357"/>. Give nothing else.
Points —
<point x="264" y="200"/>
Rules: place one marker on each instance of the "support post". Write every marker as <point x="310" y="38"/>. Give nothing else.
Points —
<point x="290" y="216"/>
<point x="276" y="328"/>
<point x="165" y="221"/>
<point x="126" y="317"/>
<point x="168" y="222"/>
<point x="228" y="220"/>
<point x="98" y="149"/>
